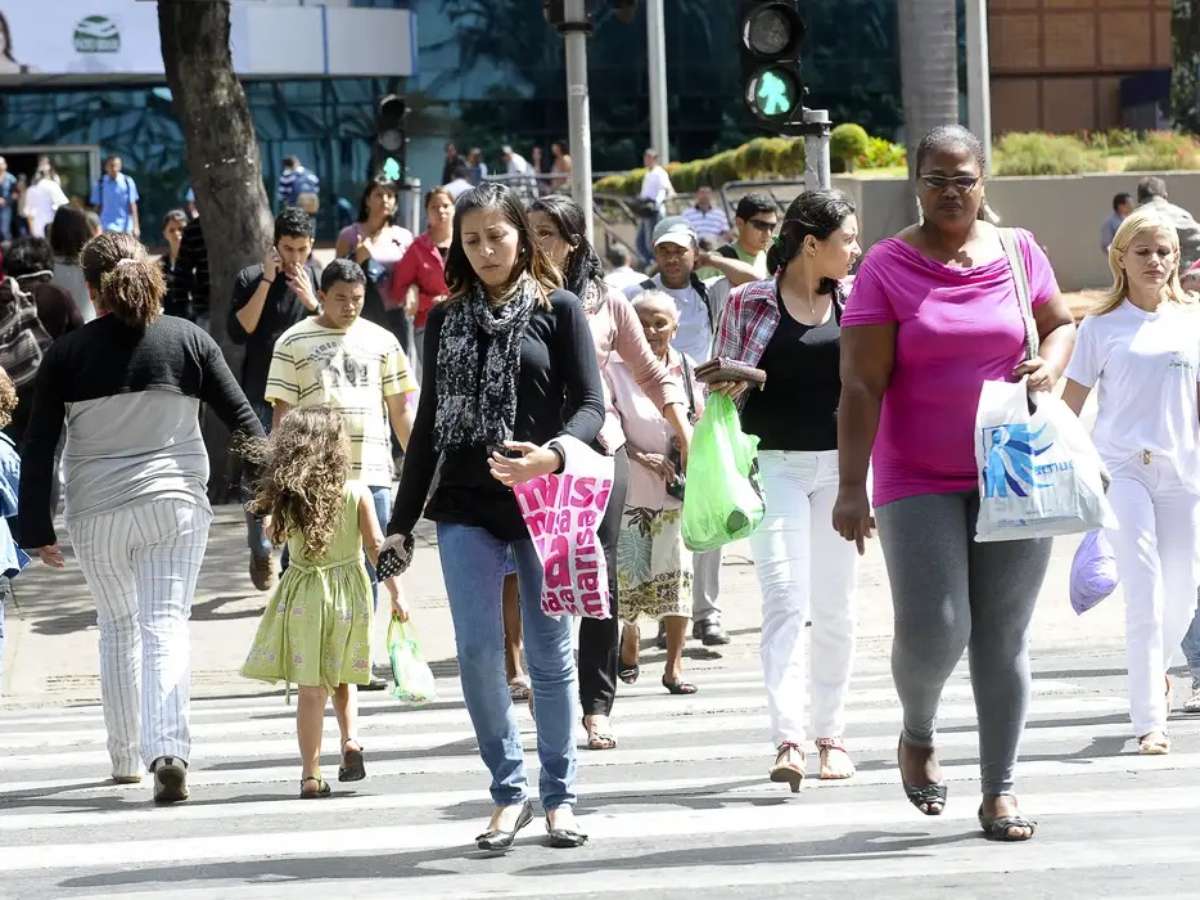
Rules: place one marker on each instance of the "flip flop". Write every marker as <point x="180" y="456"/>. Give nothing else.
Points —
<point x="599" y="740"/>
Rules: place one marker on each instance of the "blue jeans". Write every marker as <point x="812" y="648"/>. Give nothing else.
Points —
<point x="5" y="594"/>
<point x="1191" y="646"/>
<point x="256" y="535"/>
<point x="6" y="216"/>
<point x="473" y="563"/>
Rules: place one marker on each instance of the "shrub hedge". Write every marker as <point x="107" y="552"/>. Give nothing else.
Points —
<point x="1016" y="153"/>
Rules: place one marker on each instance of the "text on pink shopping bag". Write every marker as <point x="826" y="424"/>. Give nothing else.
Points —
<point x="563" y="513"/>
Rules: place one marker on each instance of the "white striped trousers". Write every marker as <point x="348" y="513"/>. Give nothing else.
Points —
<point x="141" y="563"/>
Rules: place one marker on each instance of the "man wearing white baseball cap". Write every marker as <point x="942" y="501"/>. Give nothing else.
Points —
<point x="699" y="303"/>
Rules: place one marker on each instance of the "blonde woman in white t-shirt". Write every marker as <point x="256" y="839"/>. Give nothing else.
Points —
<point x="1141" y="349"/>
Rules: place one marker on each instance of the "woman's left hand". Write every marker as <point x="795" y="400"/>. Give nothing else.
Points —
<point x="532" y="462"/>
<point x="1042" y="376"/>
<point x="52" y="556"/>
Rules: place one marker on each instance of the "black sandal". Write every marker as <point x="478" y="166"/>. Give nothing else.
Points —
<point x="323" y="788"/>
<point x="352" y="768"/>
<point x="679" y="687"/>
<point x="498" y="841"/>
<point x="996" y="829"/>
<point x="929" y="798"/>
<point x="629" y="674"/>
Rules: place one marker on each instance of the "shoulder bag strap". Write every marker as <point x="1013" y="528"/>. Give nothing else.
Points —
<point x="1008" y="240"/>
<point x="687" y="386"/>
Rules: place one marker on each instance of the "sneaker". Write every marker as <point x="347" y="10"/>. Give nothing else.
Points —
<point x="262" y="572"/>
<point x="127" y="779"/>
<point x="1192" y="703"/>
<point x="170" y="779"/>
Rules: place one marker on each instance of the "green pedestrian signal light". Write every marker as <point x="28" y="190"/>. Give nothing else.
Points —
<point x="770" y="34"/>
<point x="773" y="94"/>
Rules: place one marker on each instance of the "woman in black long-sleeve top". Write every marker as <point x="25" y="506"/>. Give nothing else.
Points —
<point x="508" y="361"/>
<point x="129" y="385"/>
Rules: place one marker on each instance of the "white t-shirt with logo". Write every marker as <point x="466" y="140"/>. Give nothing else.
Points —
<point x="1147" y="366"/>
<point x="695" y="334"/>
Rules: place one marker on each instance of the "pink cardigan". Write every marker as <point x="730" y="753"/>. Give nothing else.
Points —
<point x="617" y="333"/>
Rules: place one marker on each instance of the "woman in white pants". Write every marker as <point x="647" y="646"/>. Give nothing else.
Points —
<point x="789" y="326"/>
<point x="1141" y="347"/>
<point x="129" y="385"/>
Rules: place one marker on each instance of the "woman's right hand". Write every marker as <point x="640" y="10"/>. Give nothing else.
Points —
<point x="52" y="556"/>
<point x="852" y="517"/>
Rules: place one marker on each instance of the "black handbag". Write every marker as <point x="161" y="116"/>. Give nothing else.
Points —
<point x="677" y="485"/>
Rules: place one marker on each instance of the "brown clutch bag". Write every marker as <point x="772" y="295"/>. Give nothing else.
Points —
<point x="722" y="369"/>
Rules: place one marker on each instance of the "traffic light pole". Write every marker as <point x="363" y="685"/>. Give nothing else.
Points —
<point x="656" y="64"/>
<point x="815" y="129"/>
<point x="575" y="30"/>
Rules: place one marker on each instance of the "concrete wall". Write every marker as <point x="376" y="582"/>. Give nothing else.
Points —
<point x="1064" y="212"/>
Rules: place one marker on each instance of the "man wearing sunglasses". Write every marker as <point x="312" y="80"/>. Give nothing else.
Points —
<point x="745" y="259"/>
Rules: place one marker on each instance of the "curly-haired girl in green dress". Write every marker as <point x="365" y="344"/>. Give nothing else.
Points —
<point x="315" y="631"/>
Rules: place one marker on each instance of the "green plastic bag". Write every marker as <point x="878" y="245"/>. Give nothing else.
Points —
<point x="412" y="679"/>
<point x="723" y="501"/>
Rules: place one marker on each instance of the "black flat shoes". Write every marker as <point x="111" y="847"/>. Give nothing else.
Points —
<point x="498" y="841"/>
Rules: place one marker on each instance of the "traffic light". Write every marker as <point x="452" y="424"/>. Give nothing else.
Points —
<point x="391" y="141"/>
<point x="770" y="33"/>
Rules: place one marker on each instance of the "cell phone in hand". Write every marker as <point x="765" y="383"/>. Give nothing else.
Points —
<point x="504" y="451"/>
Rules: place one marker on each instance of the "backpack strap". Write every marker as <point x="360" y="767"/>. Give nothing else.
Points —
<point x="687" y="386"/>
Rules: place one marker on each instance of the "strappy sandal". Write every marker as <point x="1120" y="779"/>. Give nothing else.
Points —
<point x="598" y="740"/>
<point x="997" y="829"/>
<point x="824" y="747"/>
<point x="323" y="788"/>
<point x="785" y="772"/>
<point x="626" y="672"/>
<point x="519" y="689"/>
<point x="565" y="838"/>
<point x="930" y="799"/>
<point x="352" y="768"/>
<point x="1154" y="743"/>
<point x="679" y="687"/>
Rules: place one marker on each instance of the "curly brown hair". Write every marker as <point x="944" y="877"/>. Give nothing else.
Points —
<point x="305" y="463"/>
<point x="131" y="287"/>
<point x="8" y="398"/>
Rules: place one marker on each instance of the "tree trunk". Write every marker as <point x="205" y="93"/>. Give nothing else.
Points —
<point x="222" y="159"/>
<point x="1185" y="75"/>
<point x="928" y="69"/>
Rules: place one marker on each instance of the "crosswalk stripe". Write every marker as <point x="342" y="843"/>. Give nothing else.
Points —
<point x="676" y="823"/>
<point x="468" y="763"/>
<point x="751" y="786"/>
<point x="390" y="734"/>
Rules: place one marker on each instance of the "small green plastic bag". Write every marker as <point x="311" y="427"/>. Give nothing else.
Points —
<point x="724" y="499"/>
<point x="412" y="679"/>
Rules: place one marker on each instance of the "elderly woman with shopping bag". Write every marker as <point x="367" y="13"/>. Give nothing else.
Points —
<point x="1141" y="349"/>
<point x="933" y="315"/>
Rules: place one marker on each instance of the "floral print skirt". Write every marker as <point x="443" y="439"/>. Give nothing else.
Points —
<point x="315" y="632"/>
<point x="654" y="568"/>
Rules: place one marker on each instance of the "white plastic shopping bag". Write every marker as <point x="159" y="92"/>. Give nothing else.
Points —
<point x="1039" y="473"/>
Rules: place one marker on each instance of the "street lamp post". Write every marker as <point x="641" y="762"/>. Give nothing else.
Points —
<point x="656" y="45"/>
<point x="979" y="106"/>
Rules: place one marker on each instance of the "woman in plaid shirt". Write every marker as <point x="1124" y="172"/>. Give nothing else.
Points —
<point x="790" y="326"/>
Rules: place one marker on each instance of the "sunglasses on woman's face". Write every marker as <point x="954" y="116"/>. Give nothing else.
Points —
<point x="764" y="227"/>
<point x="961" y="183"/>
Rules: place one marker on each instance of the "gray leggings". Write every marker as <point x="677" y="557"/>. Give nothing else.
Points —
<point x="950" y="593"/>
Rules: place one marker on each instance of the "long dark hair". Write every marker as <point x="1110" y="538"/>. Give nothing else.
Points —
<point x="461" y="277"/>
<point x="583" y="266"/>
<point x="819" y="213"/>
<point x="379" y="181"/>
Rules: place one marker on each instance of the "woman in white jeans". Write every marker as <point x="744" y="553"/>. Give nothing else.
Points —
<point x="129" y="385"/>
<point x="1141" y="347"/>
<point x="789" y="326"/>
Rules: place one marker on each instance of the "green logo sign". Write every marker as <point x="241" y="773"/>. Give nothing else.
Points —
<point x="97" y="34"/>
<point x="774" y="94"/>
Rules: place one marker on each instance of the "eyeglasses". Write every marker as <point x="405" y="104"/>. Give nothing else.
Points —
<point x="764" y="227"/>
<point x="962" y="183"/>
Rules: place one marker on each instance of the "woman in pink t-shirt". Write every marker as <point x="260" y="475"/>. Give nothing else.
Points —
<point x="932" y="315"/>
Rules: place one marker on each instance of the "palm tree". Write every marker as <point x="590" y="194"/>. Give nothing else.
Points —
<point x="928" y="68"/>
